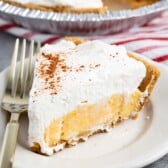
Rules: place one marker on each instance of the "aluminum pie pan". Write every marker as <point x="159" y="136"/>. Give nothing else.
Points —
<point x="81" y="24"/>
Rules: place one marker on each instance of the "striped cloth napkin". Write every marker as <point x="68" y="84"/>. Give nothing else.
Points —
<point x="151" y="40"/>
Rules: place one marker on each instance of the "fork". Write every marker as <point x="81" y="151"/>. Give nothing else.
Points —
<point x="15" y="99"/>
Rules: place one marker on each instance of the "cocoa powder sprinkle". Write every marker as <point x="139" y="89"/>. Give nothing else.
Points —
<point x="53" y="63"/>
<point x="48" y="71"/>
<point x="97" y="65"/>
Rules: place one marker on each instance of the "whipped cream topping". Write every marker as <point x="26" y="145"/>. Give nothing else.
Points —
<point x="68" y="76"/>
<point x="77" y="4"/>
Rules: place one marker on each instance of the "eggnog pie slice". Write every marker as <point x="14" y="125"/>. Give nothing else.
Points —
<point x="84" y="87"/>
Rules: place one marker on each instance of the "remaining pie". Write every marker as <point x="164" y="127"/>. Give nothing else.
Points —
<point x="84" y="87"/>
<point x="81" y="6"/>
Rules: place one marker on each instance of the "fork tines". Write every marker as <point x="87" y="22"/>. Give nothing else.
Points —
<point x="21" y="76"/>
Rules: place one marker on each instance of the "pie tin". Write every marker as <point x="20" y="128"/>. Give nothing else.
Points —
<point x="81" y="24"/>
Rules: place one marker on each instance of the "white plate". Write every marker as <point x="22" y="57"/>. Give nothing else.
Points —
<point x="133" y="143"/>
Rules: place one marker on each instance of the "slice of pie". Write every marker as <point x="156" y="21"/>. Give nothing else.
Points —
<point x="80" y="6"/>
<point x="84" y="87"/>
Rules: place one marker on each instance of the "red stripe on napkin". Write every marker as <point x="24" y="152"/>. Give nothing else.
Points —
<point x="161" y="59"/>
<point x="7" y="26"/>
<point x="51" y="40"/>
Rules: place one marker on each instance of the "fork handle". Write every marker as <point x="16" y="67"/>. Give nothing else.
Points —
<point x="9" y="144"/>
